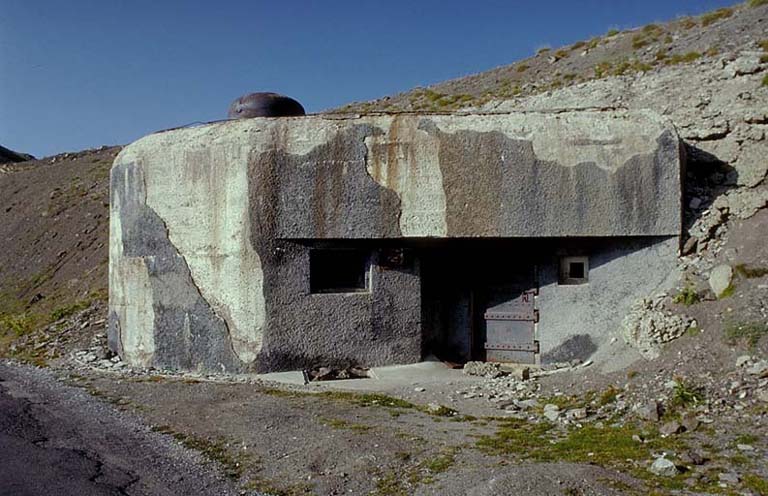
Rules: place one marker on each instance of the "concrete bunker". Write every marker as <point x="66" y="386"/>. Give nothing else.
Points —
<point x="289" y="243"/>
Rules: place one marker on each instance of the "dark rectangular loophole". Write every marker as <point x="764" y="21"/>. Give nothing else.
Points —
<point x="338" y="271"/>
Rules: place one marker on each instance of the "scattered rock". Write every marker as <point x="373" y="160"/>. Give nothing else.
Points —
<point x="762" y="395"/>
<point x="692" y="457"/>
<point x="516" y="371"/>
<point x="729" y="478"/>
<point x="551" y="412"/>
<point x="747" y="64"/>
<point x="649" y="411"/>
<point x="527" y="404"/>
<point x="689" y="422"/>
<point x="664" y="468"/>
<point x="576" y="414"/>
<point x="743" y="360"/>
<point x="671" y="428"/>
<point x="745" y="447"/>
<point x="720" y="279"/>
<point x="759" y="369"/>
<point x="483" y="369"/>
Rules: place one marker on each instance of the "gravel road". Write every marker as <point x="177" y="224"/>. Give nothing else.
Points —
<point x="55" y="439"/>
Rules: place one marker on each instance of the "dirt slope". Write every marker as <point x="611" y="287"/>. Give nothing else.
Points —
<point x="54" y="218"/>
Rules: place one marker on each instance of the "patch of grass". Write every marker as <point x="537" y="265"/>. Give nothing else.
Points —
<point x="403" y="456"/>
<point x="687" y="296"/>
<point x="609" y="395"/>
<point x="649" y="34"/>
<point x="440" y="463"/>
<point x="67" y="310"/>
<point x="746" y="438"/>
<point x="687" y="23"/>
<point x="753" y="481"/>
<point x="727" y="292"/>
<point x="543" y="50"/>
<point x="712" y="17"/>
<point x="749" y="332"/>
<point x="390" y="485"/>
<point x="685" y="394"/>
<point x="214" y="449"/>
<point x="602" y="69"/>
<point x="640" y="41"/>
<point x="17" y="324"/>
<point x="440" y="411"/>
<point x="611" y="446"/>
<point x="764" y="82"/>
<point x="343" y="424"/>
<point x="693" y="331"/>
<point x="578" y="44"/>
<point x="630" y="66"/>
<point x="712" y="52"/>
<point x="381" y="400"/>
<point x="516" y="436"/>
<point x="757" y="3"/>
<point x="612" y="32"/>
<point x="561" y="54"/>
<point x="750" y="272"/>
<point x="101" y="294"/>
<point x="763" y="44"/>
<point x="682" y="58"/>
<point x="521" y="67"/>
<point x="632" y="374"/>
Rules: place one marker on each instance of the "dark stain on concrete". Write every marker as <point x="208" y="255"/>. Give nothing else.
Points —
<point x="188" y="333"/>
<point x="327" y="193"/>
<point x="496" y="186"/>
<point x="315" y="196"/>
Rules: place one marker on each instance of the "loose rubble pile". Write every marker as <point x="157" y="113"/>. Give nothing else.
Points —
<point x="648" y="325"/>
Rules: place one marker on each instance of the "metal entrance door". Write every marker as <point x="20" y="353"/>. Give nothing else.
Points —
<point x="510" y="325"/>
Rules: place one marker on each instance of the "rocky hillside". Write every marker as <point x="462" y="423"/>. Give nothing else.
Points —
<point x="642" y="51"/>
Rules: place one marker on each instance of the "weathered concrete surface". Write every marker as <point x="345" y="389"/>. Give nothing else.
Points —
<point x="212" y="226"/>
<point x="577" y="320"/>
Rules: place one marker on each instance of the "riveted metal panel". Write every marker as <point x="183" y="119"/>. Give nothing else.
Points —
<point x="511" y="330"/>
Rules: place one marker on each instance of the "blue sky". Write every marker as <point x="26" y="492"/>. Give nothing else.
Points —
<point x="78" y="74"/>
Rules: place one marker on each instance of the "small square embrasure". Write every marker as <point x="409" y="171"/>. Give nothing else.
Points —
<point x="574" y="270"/>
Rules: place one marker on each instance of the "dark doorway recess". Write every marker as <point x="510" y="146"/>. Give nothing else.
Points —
<point x="471" y="300"/>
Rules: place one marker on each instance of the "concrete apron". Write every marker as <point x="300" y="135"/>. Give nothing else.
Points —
<point x="387" y="378"/>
